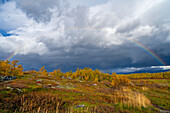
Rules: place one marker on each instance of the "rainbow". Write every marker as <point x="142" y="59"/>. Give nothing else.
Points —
<point x="151" y="53"/>
<point x="13" y="54"/>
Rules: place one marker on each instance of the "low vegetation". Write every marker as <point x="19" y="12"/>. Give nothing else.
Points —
<point x="86" y="91"/>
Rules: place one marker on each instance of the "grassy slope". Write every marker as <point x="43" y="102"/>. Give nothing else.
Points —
<point x="158" y="91"/>
<point x="63" y="95"/>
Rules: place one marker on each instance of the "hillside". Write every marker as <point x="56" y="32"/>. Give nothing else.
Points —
<point x="85" y="91"/>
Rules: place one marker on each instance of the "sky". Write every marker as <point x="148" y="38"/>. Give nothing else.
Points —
<point x="122" y="36"/>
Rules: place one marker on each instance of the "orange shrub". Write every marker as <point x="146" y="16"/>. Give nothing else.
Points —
<point x="118" y="81"/>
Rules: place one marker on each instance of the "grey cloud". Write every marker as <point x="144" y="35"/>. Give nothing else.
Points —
<point x="129" y="26"/>
<point x="158" y="15"/>
<point x="42" y="10"/>
<point x="81" y="20"/>
<point x="57" y="34"/>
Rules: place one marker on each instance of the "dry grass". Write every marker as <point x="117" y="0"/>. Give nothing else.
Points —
<point x="36" y="102"/>
<point x="131" y="98"/>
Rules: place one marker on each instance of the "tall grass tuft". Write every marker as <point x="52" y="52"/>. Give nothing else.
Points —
<point x="131" y="98"/>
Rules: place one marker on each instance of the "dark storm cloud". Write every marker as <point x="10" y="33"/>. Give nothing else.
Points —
<point x="58" y="33"/>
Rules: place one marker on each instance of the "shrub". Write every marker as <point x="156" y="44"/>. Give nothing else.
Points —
<point x="118" y="81"/>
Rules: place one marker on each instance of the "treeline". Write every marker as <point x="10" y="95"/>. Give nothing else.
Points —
<point x="86" y="74"/>
<point x="8" y="68"/>
<point x="161" y="75"/>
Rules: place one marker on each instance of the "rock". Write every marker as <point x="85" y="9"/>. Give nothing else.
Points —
<point x="9" y="77"/>
<point x="62" y="77"/>
<point x="6" y="78"/>
<point x="60" y="87"/>
<point x="39" y="80"/>
<point x="80" y="81"/>
<point x="10" y="88"/>
<point x="94" y="84"/>
<point x="69" y="78"/>
<point x="80" y="106"/>
<point x="19" y="90"/>
<point x="53" y="87"/>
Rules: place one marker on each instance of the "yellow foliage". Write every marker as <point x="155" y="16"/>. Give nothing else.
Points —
<point x="86" y="78"/>
<point x="96" y="79"/>
<point x="165" y="75"/>
<point x="119" y="80"/>
<point x="43" y="71"/>
<point x="7" y="69"/>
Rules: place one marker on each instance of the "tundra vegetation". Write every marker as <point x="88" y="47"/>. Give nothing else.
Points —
<point x="85" y="91"/>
